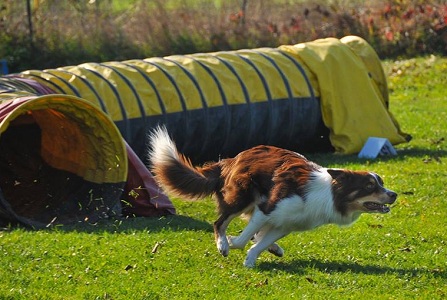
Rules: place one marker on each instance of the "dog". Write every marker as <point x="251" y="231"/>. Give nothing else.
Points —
<point x="278" y="190"/>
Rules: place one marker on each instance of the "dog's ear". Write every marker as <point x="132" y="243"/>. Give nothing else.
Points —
<point x="335" y="173"/>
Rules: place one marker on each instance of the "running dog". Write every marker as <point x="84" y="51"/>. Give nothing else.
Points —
<point x="280" y="191"/>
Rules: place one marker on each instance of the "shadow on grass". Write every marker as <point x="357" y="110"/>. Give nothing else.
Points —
<point x="129" y="225"/>
<point x="330" y="159"/>
<point x="301" y="267"/>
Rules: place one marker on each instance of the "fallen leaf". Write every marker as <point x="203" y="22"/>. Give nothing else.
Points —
<point x="155" y="248"/>
<point x="310" y="280"/>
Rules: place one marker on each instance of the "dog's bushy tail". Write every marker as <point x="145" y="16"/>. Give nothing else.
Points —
<point x="175" y="173"/>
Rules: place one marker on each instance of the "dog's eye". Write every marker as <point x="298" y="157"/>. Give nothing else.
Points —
<point x="370" y="186"/>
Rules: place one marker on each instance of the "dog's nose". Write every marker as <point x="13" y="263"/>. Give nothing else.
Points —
<point x="392" y="195"/>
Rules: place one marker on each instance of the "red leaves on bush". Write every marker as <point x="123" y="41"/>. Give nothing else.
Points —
<point x="236" y="17"/>
<point x="408" y="14"/>
<point x="389" y="36"/>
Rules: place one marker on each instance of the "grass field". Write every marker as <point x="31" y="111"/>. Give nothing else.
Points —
<point x="400" y="255"/>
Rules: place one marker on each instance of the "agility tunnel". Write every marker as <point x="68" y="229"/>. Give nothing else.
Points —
<point x="327" y="94"/>
<point x="53" y="170"/>
<point x="62" y="160"/>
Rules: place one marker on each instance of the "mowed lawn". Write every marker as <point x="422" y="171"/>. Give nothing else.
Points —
<point x="400" y="255"/>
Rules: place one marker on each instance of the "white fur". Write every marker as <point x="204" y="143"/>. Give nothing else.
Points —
<point x="162" y="148"/>
<point x="291" y="214"/>
<point x="317" y="209"/>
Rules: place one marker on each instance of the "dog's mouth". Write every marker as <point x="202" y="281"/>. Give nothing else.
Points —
<point x="377" y="207"/>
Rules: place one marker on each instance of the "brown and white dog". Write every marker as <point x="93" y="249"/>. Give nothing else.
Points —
<point x="279" y="190"/>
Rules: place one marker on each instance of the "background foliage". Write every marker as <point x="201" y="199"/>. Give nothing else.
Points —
<point x="74" y="31"/>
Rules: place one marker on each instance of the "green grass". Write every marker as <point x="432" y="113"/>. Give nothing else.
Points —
<point x="400" y="255"/>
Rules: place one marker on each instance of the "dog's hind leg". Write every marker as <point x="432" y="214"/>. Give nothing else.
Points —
<point x="220" y="228"/>
<point x="256" y="222"/>
<point x="267" y="240"/>
<point x="274" y="248"/>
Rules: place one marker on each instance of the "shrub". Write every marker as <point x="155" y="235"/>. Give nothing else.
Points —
<point x="71" y="32"/>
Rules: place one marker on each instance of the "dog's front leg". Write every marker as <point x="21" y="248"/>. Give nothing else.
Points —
<point x="257" y="221"/>
<point x="268" y="239"/>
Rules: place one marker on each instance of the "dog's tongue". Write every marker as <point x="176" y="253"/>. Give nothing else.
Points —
<point x="377" y="207"/>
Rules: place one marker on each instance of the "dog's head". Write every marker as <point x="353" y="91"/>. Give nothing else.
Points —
<point x="360" y="192"/>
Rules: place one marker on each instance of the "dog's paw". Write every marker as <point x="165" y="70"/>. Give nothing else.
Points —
<point x="223" y="246"/>
<point x="250" y="262"/>
<point x="234" y="243"/>
<point x="276" y="250"/>
<point x="252" y="256"/>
